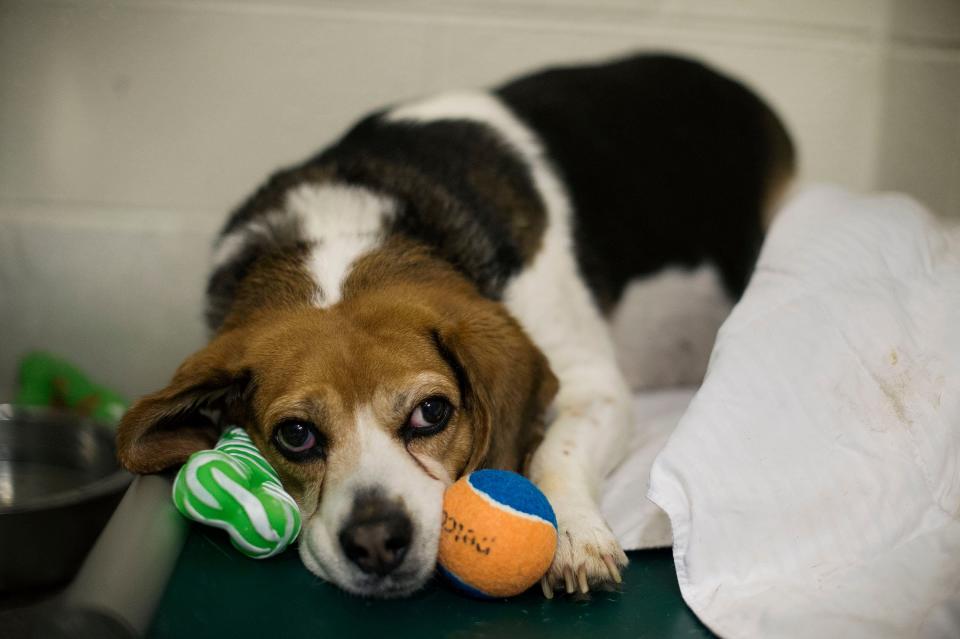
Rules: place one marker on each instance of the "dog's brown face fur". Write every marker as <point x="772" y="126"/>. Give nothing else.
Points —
<point x="356" y="371"/>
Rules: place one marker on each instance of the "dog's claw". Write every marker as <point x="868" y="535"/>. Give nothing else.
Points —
<point x="568" y="579"/>
<point x="582" y="578"/>
<point x="588" y="557"/>
<point x="612" y="569"/>
<point x="547" y="588"/>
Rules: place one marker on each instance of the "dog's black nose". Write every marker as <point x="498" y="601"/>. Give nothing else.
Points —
<point x="376" y="535"/>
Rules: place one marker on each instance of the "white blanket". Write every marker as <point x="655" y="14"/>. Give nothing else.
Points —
<point x="636" y="521"/>
<point x="813" y="484"/>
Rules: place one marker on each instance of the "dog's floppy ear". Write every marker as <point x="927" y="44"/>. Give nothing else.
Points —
<point x="507" y="382"/>
<point x="162" y="429"/>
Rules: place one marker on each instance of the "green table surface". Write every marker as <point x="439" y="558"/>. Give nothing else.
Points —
<point x="216" y="592"/>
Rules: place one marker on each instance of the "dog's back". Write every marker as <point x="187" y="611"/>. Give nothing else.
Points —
<point x="665" y="161"/>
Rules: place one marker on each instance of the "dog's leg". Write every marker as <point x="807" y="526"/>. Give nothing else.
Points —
<point x="590" y="426"/>
<point x="581" y="446"/>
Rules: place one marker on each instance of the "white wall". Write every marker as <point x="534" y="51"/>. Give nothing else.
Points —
<point x="128" y="129"/>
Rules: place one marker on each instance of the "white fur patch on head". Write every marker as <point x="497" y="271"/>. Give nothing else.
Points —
<point x="383" y="465"/>
<point x="339" y="222"/>
<point x="342" y="222"/>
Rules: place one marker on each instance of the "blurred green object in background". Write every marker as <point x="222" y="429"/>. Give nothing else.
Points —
<point x="46" y="380"/>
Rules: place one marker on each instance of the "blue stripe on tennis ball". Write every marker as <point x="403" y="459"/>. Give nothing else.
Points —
<point x="513" y="490"/>
<point x="462" y="585"/>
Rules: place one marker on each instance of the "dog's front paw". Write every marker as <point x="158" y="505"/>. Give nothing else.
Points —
<point x="588" y="555"/>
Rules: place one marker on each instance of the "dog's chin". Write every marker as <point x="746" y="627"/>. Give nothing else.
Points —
<point x="394" y="586"/>
<point x="408" y="578"/>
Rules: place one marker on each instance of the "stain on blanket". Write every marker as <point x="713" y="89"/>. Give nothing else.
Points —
<point x="909" y="386"/>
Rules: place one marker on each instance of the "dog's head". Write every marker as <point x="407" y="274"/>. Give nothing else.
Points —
<point x="367" y="409"/>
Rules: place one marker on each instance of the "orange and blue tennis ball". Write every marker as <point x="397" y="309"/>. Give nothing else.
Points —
<point x="498" y="536"/>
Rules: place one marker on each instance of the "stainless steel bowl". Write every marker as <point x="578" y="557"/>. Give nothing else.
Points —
<point x="59" y="483"/>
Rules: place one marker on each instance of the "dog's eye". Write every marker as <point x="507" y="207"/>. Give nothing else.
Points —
<point x="430" y="416"/>
<point x="298" y="440"/>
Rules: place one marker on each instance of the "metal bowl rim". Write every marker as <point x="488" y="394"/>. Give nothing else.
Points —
<point x="89" y="491"/>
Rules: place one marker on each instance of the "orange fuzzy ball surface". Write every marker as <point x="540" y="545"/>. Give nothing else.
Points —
<point x="498" y="535"/>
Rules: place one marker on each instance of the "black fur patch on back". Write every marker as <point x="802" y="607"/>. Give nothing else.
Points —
<point x="666" y="162"/>
<point x="461" y="191"/>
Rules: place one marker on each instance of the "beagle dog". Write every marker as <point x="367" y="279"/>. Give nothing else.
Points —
<point x="445" y="287"/>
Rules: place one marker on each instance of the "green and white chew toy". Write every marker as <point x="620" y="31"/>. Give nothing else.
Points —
<point x="234" y="487"/>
